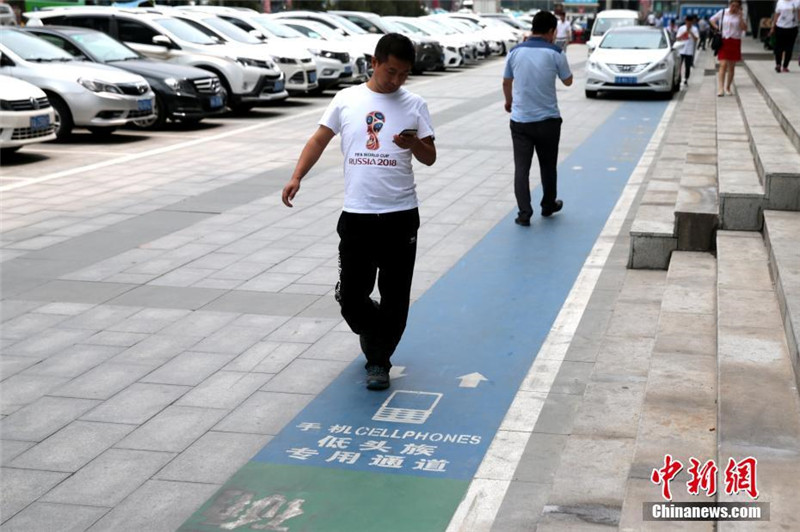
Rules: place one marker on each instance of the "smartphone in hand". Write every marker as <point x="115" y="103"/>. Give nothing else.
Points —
<point x="409" y="132"/>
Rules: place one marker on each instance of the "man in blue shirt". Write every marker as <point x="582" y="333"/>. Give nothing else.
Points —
<point x="529" y="86"/>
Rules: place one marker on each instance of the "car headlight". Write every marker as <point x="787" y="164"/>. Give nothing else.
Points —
<point x="99" y="86"/>
<point x="661" y="66"/>
<point x="172" y="83"/>
<point x="284" y="60"/>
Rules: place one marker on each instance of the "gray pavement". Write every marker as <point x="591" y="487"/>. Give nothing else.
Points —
<point x="164" y="317"/>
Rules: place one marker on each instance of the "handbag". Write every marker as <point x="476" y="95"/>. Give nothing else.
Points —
<point x="716" y="39"/>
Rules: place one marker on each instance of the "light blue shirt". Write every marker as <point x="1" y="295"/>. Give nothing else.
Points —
<point x="534" y="66"/>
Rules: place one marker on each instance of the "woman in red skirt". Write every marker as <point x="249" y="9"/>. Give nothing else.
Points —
<point x="732" y="24"/>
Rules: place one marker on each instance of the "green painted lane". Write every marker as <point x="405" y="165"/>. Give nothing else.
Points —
<point x="274" y="497"/>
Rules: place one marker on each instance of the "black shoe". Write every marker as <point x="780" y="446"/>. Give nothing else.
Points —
<point x="524" y="221"/>
<point x="377" y="378"/>
<point x="554" y="208"/>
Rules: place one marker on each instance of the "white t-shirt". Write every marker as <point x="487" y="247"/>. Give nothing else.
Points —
<point x="562" y="29"/>
<point x="731" y="24"/>
<point x="788" y="13"/>
<point x="688" y="44"/>
<point x="378" y="177"/>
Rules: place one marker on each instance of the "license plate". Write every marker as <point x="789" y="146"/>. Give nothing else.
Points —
<point x="348" y="69"/>
<point x="40" y="122"/>
<point x="312" y="76"/>
<point x="625" y="80"/>
<point x="145" y="105"/>
<point x="216" y="101"/>
<point x="279" y="86"/>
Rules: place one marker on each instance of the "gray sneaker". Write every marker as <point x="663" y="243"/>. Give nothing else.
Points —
<point x="377" y="378"/>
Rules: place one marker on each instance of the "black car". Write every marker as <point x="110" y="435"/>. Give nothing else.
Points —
<point x="183" y="93"/>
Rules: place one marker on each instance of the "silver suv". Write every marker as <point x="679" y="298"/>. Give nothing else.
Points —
<point x="98" y="97"/>
<point x="248" y="79"/>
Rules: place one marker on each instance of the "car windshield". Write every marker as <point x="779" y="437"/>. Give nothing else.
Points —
<point x="351" y="28"/>
<point x="602" y="25"/>
<point x="314" y="30"/>
<point x="104" y="47"/>
<point x="393" y="26"/>
<point x="273" y="28"/>
<point x="634" y="40"/>
<point x="231" y="31"/>
<point x="32" y="48"/>
<point x="435" y="27"/>
<point x="184" y="31"/>
<point x="468" y="23"/>
<point x="411" y="27"/>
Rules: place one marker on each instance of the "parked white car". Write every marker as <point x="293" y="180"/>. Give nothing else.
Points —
<point x="98" y="97"/>
<point x="484" y="47"/>
<point x="634" y="59"/>
<point x="320" y="32"/>
<point x="366" y="41"/>
<point x="26" y="115"/>
<point x="454" y="53"/>
<point x="298" y="65"/>
<point x="469" y="47"/>
<point x="494" y="30"/>
<point x="248" y="78"/>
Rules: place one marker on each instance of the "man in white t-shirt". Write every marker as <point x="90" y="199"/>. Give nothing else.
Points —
<point x="785" y="22"/>
<point x="382" y="126"/>
<point x="563" y="32"/>
<point x="690" y="35"/>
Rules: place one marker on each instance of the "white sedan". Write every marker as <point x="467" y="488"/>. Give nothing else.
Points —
<point x="634" y="59"/>
<point x="26" y="115"/>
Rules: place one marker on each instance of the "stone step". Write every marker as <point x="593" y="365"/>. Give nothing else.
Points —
<point x="782" y="237"/>
<point x="776" y="159"/>
<point x="679" y="412"/>
<point x="759" y="408"/>
<point x="741" y="194"/>
<point x="697" y="206"/>
<point x="780" y="93"/>
<point x="680" y="206"/>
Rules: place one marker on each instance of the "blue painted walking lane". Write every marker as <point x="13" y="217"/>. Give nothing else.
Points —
<point x="470" y="341"/>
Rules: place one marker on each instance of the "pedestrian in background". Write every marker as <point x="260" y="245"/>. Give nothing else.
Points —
<point x="732" y="24"/>
<point x="672" y="30"/>
<point x="705" y="29"/>
<point x="784" y="27"/>
<point x="382" y="126"/>
<point x="690" y="35"/>
<point x="563" y="32"/>
<point x="529" y="87"/>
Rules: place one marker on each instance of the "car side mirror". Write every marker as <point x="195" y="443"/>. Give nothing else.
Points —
<point x="258" y="35"/>
<point x="162" y="40"/>
<point x="341" y="32"/>
<point x="6" y="61"/>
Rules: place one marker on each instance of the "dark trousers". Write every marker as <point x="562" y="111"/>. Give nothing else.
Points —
<point x="382" y="246"/>
<point x="688" y="63"/>
<point x="784" y="44"/>
<point x="541" y="137"/>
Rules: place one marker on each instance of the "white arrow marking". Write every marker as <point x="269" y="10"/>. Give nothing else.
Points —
<point x="397" y="372"/>
<point x="472" y="380"/>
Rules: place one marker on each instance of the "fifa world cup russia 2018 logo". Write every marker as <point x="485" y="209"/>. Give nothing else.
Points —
<point x="375" y="121"/>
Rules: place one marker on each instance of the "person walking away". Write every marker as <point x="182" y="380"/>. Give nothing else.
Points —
<point x="690" y="35"/>
<point x="704" y="28"/>
<point x="382" y="126"/>
<point x="784" y="27"/>
<point x="733" y="26"/>
<point x="563" y="32"/>
<point x="529" y="87"/>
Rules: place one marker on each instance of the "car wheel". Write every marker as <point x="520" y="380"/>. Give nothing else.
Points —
<point x="102" y="132"/>
<point x="158" y="118"/>
<point x="591" y="94"/>
<point x="62" y="123"/>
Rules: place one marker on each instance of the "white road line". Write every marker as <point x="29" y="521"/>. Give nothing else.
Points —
<point x="485" y="495"/>
<point x="167" y="149"/>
